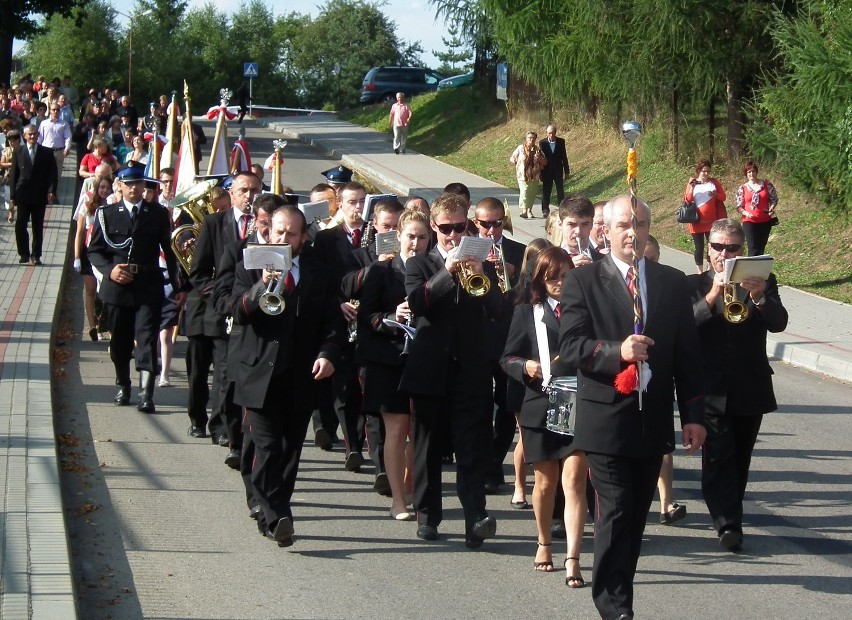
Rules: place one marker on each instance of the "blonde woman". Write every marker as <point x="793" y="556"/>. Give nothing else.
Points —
<point x="529" y="161"/>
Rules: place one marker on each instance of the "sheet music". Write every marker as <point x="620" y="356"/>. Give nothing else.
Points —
<point x="278" y="257"/>
<point x="406" y="328"/>
<point x="741" y="267"/>
<point x="370" y="204"/>
<point x="476" y="248"/>
<point x="387" y="243"/>
<point x="315" y="211"/>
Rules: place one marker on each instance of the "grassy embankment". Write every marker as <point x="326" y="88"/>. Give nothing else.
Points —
<point x="811" y="246"/>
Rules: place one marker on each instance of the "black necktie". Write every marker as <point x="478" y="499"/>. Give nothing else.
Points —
<point x="133" y="214"/>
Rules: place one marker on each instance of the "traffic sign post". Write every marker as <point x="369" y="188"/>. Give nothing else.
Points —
<point x="250" y="71"/>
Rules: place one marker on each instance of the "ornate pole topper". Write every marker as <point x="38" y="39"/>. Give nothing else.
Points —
<point x="630" y="378"/>
<point x="276" y="162"/>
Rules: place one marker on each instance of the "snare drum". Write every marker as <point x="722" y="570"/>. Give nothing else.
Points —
<point x="562" y="394"/>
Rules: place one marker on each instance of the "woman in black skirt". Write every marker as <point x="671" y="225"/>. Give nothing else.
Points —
<point x="544" y="449"/>
<point x="379" y="353"/>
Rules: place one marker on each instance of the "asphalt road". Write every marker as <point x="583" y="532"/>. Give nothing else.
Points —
<point x="159" y="527"/>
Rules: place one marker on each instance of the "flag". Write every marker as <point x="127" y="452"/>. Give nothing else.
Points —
<point x="168" y="158"/>
<point x="185" y="169"/>
<point x="240" y="158"/>
<point x="219" y="155"/>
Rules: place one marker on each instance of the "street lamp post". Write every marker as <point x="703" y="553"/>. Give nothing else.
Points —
<point x="130" y="49"/>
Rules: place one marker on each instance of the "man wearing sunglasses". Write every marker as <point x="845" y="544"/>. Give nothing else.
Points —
<point x="450" y="385"/>
<point x="738" y="378"/>
<point x="490" y="220"/>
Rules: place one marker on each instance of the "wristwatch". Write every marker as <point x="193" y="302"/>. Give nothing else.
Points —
<point x="760" y="301"/>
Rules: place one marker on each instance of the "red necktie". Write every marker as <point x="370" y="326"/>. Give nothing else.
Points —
<point x="289" y="282"/>
<point x="557" y="310"/>
<point x="244" y="225"/>
<point x="356" y="238"/>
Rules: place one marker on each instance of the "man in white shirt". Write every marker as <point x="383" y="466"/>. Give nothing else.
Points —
<point x="55" y="134"/>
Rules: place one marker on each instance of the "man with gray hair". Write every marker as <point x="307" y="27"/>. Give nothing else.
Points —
<point x="400" y="116"/>
<point x="556" y="170"/>
<point x="624" y="431"/>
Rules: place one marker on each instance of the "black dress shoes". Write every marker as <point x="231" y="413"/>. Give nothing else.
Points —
<point x="220" y="439"/>
<point x="254" y="512"/>
<point x="624" y="617"/>
<point x="323" y="439"/>
<point x="382" y="485"/>
<point x="557" y="530"/>
<point x="146" y="405"/>
<point x="427" y="532"/>
<point x="492" y="487"/>
<point x="353" y="462"/>
<point x="123" y="397"/>
<point x="675" y="514"/>
<point x="196" y="431"/>
<point x="233" y="458"/>
<point x="482" y="530"/>
<point x="730" y="539"/>
<point x="282" y="533"/>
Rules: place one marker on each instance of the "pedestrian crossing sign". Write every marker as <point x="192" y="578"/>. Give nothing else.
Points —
<point x="250" y="69"/>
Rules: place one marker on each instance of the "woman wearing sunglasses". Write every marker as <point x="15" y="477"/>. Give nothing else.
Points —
<point x="547" y="451"/>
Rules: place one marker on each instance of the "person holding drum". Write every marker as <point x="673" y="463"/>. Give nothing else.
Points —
<point x="531" y="356"/>
<point x="380" y="354"/>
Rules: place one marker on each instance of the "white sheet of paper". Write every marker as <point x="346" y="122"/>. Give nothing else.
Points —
<point x="278" y="257"/>
<point x="741" y="267"/>
<point x="314" y="211"/>
<point x="476" y="248"/>
<point x="406" y="328"/>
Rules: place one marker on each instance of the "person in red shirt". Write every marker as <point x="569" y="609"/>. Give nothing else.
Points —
<point x="709" y="196"/>
<point x="400" y="116"/>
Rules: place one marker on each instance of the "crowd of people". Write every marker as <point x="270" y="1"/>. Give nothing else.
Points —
<point x="371" y="343"/>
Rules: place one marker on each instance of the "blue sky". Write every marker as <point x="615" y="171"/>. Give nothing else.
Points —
<point x="415" y="19"/>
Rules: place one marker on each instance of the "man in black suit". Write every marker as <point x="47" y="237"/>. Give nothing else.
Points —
<point x="624" y="440"/>
<point x="445" y="374"/>
<point x="205" y="328"/>
<point x="576" y="214"/>
<point x="282" y="361"/>
<point x="739" y="384"/>
<point x="125" y="247"/>
<point x="33" y="187"/>
<point x="556" y="170"/>
<point x="333" y="247"/>
<point x="490" y="221"/>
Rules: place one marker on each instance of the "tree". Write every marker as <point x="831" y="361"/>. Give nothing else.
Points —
<point x="475" y="21"/>
<point x="17" y="21"/>
<point x="331" y="55"/>
<point x="803" y="116"/>
<point x="86" y="43"/>
<point x="457" y="56"/>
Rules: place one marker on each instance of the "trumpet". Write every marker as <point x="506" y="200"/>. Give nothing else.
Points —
<point x="272" y="301"/>
<point x="502" y="276"/>
<point x="734" y="310"/>
<point x="474" y="284"/>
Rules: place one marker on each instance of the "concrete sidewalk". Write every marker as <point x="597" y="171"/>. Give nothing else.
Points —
<point x="819" y="333"/>
<point x="35" y="573"/>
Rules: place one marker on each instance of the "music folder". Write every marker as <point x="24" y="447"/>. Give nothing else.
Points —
<point x="387" y="243"/>
<point x="370" y="204"/>
<point x="275" y="257"/>
<point x="315" y="211"/>
<point x="409" y="331"/>
<point x="739" y="268"/>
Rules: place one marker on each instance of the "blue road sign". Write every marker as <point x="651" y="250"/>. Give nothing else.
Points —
<point x="250" y="69"/>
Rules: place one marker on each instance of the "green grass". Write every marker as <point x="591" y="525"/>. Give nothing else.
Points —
<point x="473" y="132"/>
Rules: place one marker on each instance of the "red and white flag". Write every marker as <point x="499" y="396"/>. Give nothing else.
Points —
<point x="218" y="163"/>
<point x="240" y="157"/>
<point x="185" y="168"/>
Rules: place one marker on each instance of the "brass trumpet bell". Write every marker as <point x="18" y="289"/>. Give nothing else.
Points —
<point x="474" y="284"/>
<point x="734" y="311"/>
<point x="196" y="202"/>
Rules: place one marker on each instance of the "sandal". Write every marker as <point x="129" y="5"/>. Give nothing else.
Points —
<point x="543" y="567"/>
<point x="573" y="581"/>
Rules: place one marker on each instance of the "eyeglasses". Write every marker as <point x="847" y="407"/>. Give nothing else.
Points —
<point x="730" y="247"/>
<point x="446" y="229"/>
<point x="490" y="223"/>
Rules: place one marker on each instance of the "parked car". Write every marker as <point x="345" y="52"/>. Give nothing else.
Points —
<point x="456" y="81"/>
<point x="383" y="83"/>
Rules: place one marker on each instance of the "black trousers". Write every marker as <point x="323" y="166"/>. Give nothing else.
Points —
<point x="624" y="490"/>
<point x="201" y="352"/>
<point x="504" y="424"/>
<point x="756" y="237"/>
<point x="348" y="401"/>
<point x="126" y="325"/>
<point x="466" y="411"/>
<point x="325" y="416"/>
<point x="29" y="211"/>
<point x="277" y="433"/>
<point x="547" y="182"/>
<point x="726" y="458"/>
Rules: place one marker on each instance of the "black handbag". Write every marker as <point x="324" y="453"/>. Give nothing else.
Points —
<point x="688" y="213"/>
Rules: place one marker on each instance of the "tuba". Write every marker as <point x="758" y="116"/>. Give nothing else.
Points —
<point x="734" y="310"/>
<point x="196" y="202"/>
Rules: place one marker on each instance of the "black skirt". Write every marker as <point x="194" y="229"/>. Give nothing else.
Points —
<point x="380" y="385"/>
<point x="541" y="445"/>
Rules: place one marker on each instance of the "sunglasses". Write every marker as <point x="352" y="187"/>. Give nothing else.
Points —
<point x="490" y="223"/>
<point x="446" y="229"/>
<point x="730" y="247"/>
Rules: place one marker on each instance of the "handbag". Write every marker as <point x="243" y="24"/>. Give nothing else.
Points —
<point x="688" y="213"/>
